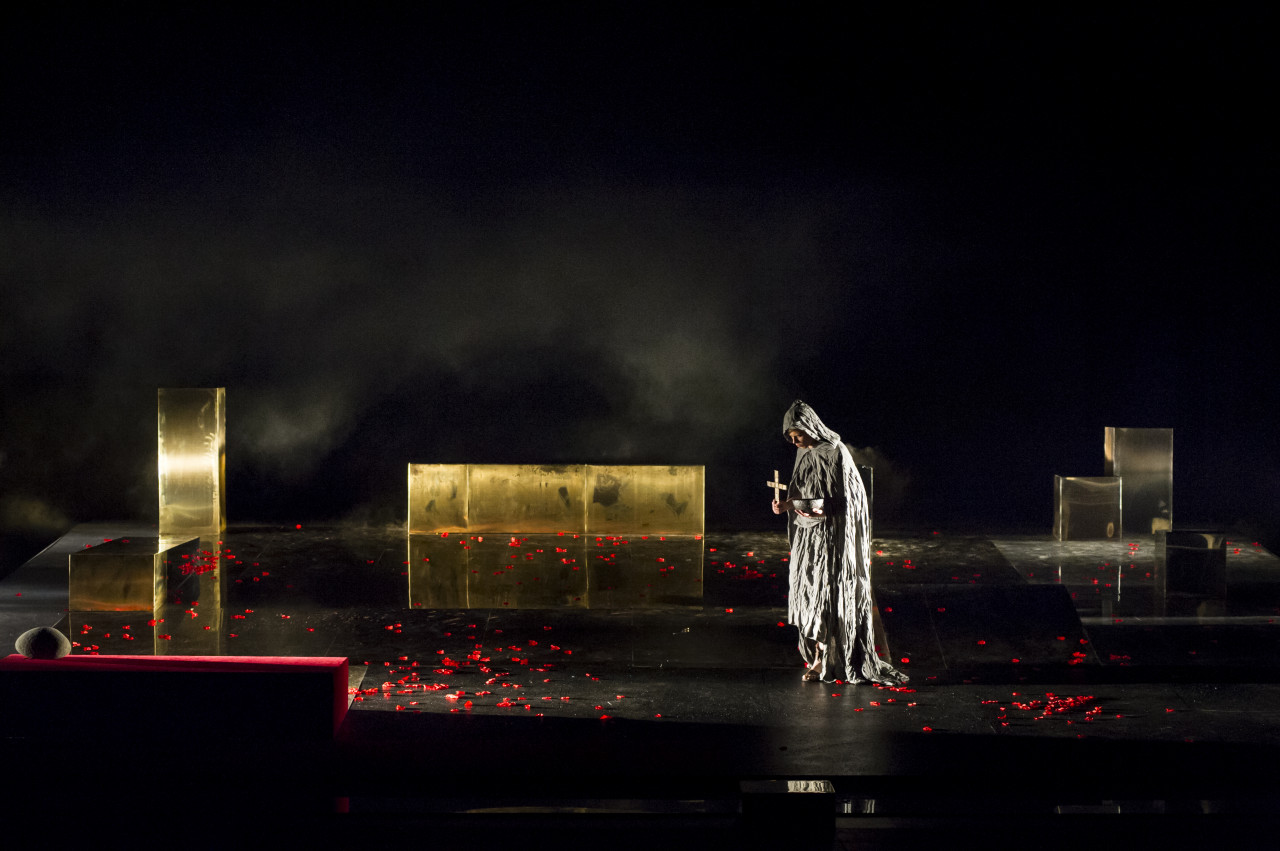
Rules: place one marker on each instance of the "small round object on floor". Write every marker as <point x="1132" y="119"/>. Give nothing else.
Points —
<point x="43" y="642"/>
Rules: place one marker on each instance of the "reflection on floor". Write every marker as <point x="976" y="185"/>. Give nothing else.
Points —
<point x="633" y="674"/>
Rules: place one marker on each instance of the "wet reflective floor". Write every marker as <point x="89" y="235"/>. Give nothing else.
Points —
<point x="663" y="670"/>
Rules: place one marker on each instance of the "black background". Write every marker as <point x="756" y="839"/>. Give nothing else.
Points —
<point x="970" y="237"/>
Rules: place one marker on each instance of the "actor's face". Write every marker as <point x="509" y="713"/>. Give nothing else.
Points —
<point x="801" y="439"/>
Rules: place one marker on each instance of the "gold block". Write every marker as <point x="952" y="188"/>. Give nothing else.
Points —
<point x="438" y="498"/>
<point x="191" y="460"/>
<point x="525" y="498"/>
<point x="1086" y="507"/>
<point x="125" y="575"/>
<point x="536" y="499"/>
<point x="653" y="500"/>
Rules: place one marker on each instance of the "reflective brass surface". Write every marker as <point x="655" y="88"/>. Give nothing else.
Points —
<point x="544" y="571"/>
<point x="1086" y="508"/>
<point x="124" y="575"/>
<point x="1143" y="459"/>
<point x="653" y="500"/>
<point x="1192" y="563"/>
<point x="525" y="498"/>
<point x="643" y="572"/>
<point x="190" y="614"/>
<point x="191" y="460"/>
<point x="438" y="498"/>
<point x="533" y="499"/>
<point x="165" y="596"/>
<point x="439" y="571"/>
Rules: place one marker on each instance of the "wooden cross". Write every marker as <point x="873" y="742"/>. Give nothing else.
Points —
<point x="777" y="486"/>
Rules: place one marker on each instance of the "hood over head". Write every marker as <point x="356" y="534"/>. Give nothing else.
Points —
<point x="801" y="416"/>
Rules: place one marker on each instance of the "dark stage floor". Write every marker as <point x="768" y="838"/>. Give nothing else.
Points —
<point x="639" y="682"/>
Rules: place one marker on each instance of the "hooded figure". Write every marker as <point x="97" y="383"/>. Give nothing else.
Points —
<point x="830" y="589"/>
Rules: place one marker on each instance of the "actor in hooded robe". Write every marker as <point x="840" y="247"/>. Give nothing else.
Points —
<point x="828" y="526"/>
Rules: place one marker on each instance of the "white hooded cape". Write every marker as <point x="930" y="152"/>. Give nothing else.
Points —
<point x="830" y="585"/>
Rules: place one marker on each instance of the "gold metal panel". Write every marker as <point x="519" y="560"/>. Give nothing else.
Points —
<point x="191" y="439"/>
<point x="438" y="498"/>
<point x="125" y="575"/>
<point x="640" y="499"/>
<point x="537" y="499"/>
<point x="1087" y="507"/>
<point x="1143" y="459"/>
<point x="525" y="498"/>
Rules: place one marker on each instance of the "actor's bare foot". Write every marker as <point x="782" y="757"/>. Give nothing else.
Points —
<point x="811" y="675"/>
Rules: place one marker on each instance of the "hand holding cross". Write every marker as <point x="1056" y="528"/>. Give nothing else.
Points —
<point x="777" y="486"/>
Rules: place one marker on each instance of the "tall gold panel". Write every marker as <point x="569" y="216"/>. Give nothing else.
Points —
<point x="654" y="500"/>
<point x="1143" y="459"/>
<point x="525" y="498"/>
<point x="191" y="432"/>
<point x="438" y="497"/>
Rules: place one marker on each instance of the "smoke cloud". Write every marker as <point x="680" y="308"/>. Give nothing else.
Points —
<point x="601" y="325"/>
